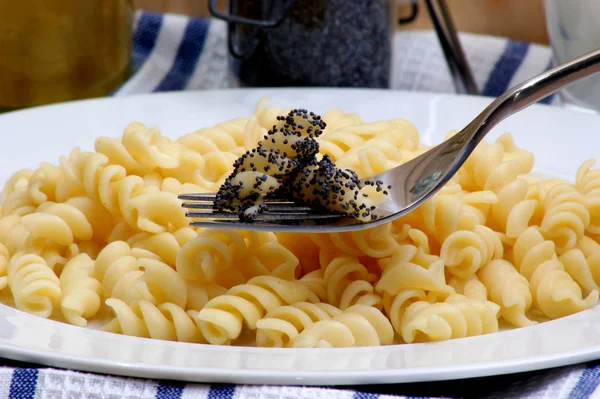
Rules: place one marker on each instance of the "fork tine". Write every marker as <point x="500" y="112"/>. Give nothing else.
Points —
<point x="287" y="208"/>
<point x="278" y="210"/>
<point x="212" y="215"/>
<point x="229" y="224"/>
<point x="210" y="197"/>
<point x="198" y="205"/>
<point x="198" y="197"/>
<point x="264" y="216"/>
<point x="270" y="207"/>
<point x="256" y="225"/>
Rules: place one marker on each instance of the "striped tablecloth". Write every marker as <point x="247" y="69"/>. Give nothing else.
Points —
<point x="179" y="53"/>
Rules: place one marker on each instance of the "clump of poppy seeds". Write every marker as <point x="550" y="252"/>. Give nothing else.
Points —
<point x="285" y="165"/>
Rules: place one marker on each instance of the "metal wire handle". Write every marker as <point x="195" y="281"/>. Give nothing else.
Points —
<point x="455" y="57"/>
<point x="258" y="24"/>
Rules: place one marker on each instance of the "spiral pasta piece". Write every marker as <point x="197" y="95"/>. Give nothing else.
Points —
<point x="456" y="317"/>
<point x="414" y="247"/>
<point x="166" y="321"/>
<point x="349" y="283"/>
<point x="396" y="305"/>
<point x="13" y="233"/>
<point x="359" y="325"/>
<point x="18" y="180"/>
<point x="405" y="275"/>
<point x="513" y="212"/>
<point x="512" y="152"/>
<point x="591" y="251"/>
<point x="211" y="252"/>
<point x="440" y="216"/>
<point x="198" y="294"/>
<point x="264" y="116"/>
<point x="370" y="160"/>
<point x="477" y="206"/>
<point x="81" y="292"/>
<point x="589" y="246"/>
<point x="219" y="138"/>
<point x="126" y="197"/>
<point x="487" y="168"/>
<point x="376" y="242"/>
<point x="464" y="252"/>
<point x="18" y="203"/>
<point x="281" y="326"/>
<point x="156" y="212"/>
<point x="566" y="216"/>
<point x="497" y="167"/>
<point x="109" y="254"/>
<point x="55" y="231"/>
<point x="218" y="147"/>
<point x="509" y="289"/>
<point x="346" y="135"/>
<point x="303" y="248"/>
<point x="4" y="259"/>
<point x="87" y="173"/>
<point x="118" y="269"/>
<point x="554" y="291"/>
<point x="166" y="244"/>
<point x="43" y="183"/>
<point x="584" y="270"/>
<point x="337" y="119"/>
<point x="140" y="150"/>
<point x="59" y="223"/>
<point x="316" y="283"/>
<point x="221" y="319"/>
<point x="271" y="258"/>
<point x="34" y="286"/>
<point x="470" y="287"/>
<point x="161" y="283"/>
<point x="173" y="185"/>
<point x="92" y="174"/>
<point x="587" y="182"/>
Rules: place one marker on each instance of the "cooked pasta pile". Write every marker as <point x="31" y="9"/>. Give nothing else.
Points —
<point x="101" y="237"/>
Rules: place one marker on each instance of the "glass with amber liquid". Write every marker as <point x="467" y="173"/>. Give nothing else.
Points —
<point x="61" y="50"/>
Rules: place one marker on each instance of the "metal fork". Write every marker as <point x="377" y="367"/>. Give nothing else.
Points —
<point x="412" y="182"/>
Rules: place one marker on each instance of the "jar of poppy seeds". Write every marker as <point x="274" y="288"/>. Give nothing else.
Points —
<point x="334" y="43"/>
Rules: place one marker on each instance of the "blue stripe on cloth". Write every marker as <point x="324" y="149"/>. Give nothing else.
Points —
<point x="505" y="68"/>
<point x="169" y="390"/>
<point x="365" y="395"/>
<point x="587" y="383"/>
<point x="187" y="56"/>
<point x="23" y="384"/>
<point x="548" y="99"/>
<point x="144" y="38"/>
<point x="221" y="391"/>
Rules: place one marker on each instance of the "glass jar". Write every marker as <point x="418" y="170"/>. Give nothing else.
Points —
<point x="335" y="43"/>
<point x="574" y="29"/>
<point x="60" y="50"/>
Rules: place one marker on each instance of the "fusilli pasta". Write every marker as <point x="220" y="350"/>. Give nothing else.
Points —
<point x="221" y="318"/>
<point x="359" y="325"/>
<point x="554" y="291"/>
<point x="102" y="236"/>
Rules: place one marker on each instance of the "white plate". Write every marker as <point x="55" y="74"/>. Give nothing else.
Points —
<point x="560" y="139"/>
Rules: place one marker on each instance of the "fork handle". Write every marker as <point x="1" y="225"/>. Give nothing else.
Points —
<point x="532" y="91"/>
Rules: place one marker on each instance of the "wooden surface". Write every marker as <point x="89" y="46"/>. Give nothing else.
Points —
<point x="188" y="7"/>
<point x="516" y="19"/>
